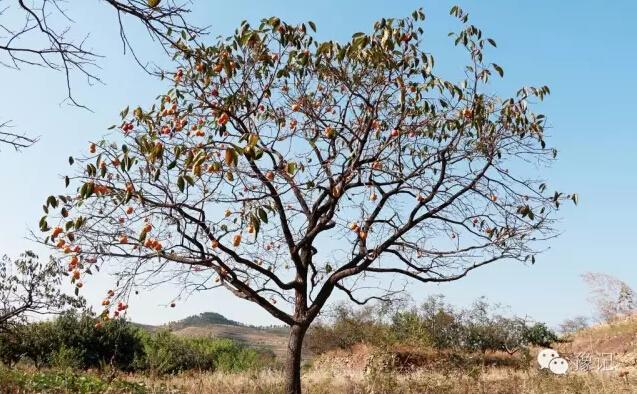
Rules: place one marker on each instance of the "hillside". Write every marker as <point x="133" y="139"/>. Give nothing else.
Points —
<point x="618" y="338"/>
<point x="272" y="339"/>
<point x="203" y="319"/>
<point x="211" y="324"/>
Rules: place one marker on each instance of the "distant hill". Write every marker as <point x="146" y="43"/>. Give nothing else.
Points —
<point x="203" y="319"/>
<point x="212" y="324"/>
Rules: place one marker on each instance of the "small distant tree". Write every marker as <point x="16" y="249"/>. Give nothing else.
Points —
<point x="286" y="169"/>
<point x="573" y="325"/>
<point x="28" y="287"/>
<point x="539" y="334"/>
<point x="409" y="326"/>
<point x="484" y="331"/>
<point x="443" y="323"/>
<point x="612" y="297"/>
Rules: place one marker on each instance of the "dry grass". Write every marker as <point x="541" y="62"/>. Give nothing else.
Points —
<point x="492" y="381"/>
<point x="344" y="372"/>
<point x="618" y="338"/>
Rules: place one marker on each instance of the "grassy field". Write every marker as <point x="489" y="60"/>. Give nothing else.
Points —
<point x="496" y="381"/>
<point x="319" y="381"/>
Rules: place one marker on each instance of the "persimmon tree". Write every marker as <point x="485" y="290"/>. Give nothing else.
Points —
<point x="287" y="169"/>
<point x="29" y="287"/>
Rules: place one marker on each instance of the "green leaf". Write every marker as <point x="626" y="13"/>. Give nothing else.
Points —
<point x="124" y="112"/>
<point x="263" y="215"/>
<point x="44" y="226"/>
<point x="498" y="69"/>
<point x="89" y="189"/>
<point x="180" y="183"/>
<point x="291" y="168"/>
<point x="52" y="201"/>
<point x="312" y="26"/>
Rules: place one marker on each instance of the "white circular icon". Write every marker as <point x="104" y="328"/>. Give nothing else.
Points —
<point x="545" y="357"/>
<point x="558" y="366"/>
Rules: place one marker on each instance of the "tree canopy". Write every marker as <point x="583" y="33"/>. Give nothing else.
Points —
<point x="284" y="168"/>
<point x="29" y="287"/>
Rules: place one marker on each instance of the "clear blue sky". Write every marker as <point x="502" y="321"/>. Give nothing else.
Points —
<point x="585" y="51"/>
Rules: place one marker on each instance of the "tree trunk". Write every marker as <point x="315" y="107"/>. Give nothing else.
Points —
<point x="293" y="362"/>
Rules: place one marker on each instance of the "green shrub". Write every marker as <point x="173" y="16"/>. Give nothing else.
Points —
<point x="165" y="353"/>
<point x="40" y="342"/>
<point x="73" y="341"/>
<point x="479" y="328"/>
<point x="350" y="326"/>
<point x="540" y="335"/>
<point x="12" y="347"/>
<point x="67" y="381"/>
<point x="443" y="324"/>
<point x="409" y="326"/>
<point x="67" y="358"/>
<point x="115" y="343"/>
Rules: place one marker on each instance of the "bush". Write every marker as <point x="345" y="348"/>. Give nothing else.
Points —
<point x="444" y="325"/>
<point x="228" y="355"/>
<point x="435" y="324"/>
<point x="73" y="341"/>
<point x="67" y="358"/>
<point x="115" y="343"/>
<point x="350" y="327"/>
<point x="12" y="347"/>
<point x="165" y="353"/>
<point x="67" y="381"/>
<point x="540" y="335"/>
<point x="410" y="327"/>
